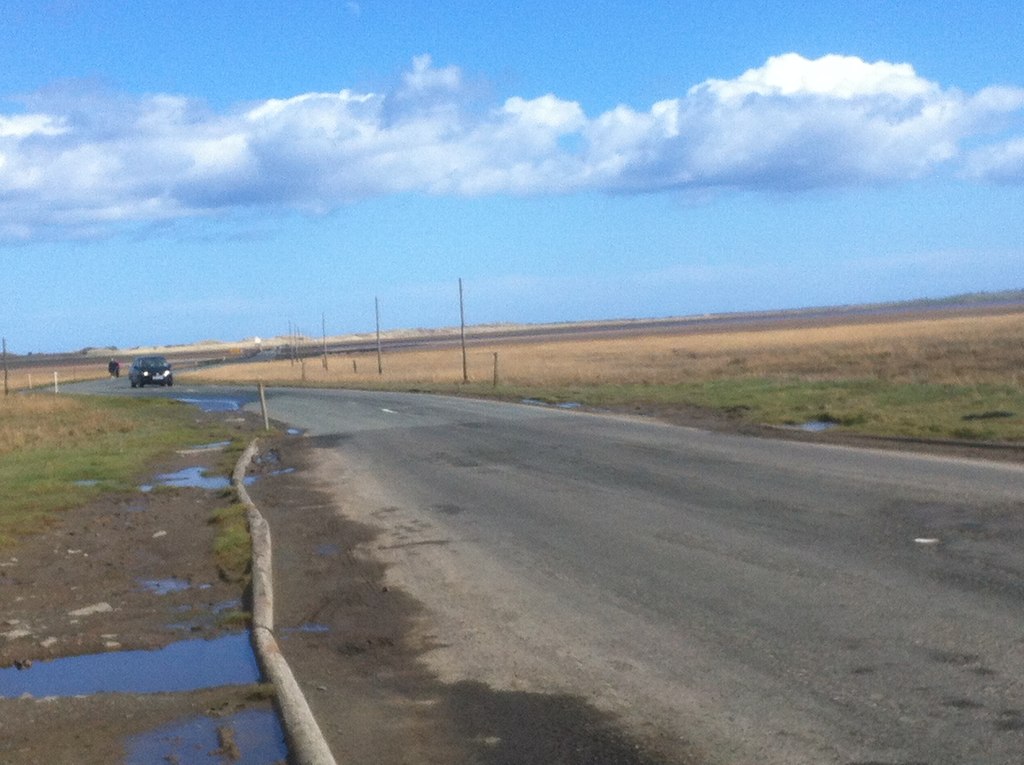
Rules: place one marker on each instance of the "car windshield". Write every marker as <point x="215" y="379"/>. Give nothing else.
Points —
<point x="153" y="362"/>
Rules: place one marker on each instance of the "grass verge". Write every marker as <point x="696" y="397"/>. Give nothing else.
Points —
<point x="232" y="546"/>
<point x="60" y="452"/>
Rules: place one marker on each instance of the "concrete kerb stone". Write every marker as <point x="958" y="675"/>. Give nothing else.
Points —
<point x="304" y="736"/>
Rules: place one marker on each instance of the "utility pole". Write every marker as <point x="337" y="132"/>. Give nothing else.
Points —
<point x="462" y="325"/>
<point x="376" y="312"/>
<point x="6" y="390"/>
<point x="323" y="327"/>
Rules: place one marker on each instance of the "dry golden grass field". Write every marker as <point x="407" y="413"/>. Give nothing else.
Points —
<point x="19" y="377"/>
<point x="940" y="375"/>
<point x="961" y="350"/>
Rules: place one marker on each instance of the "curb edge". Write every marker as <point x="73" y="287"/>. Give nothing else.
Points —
<point x="304" y="735"/>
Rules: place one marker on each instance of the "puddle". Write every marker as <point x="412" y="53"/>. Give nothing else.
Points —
<point x="327" y="549"/>
<point x="256" y="734"/>
<point x="184" y="666"/>
<point x="192" y="478"/>
<point x="818" y="426"/>
<point x="163" y="586"/>
<point x="227" y="605"/>
<point x="561" y="405"/>
<point x="215" y="446"/>
<point x="308" y="628"/>
<point x="216" y="404"/>
<point x="282" y="471"/>
<point x="294" y="432"/>
<point x="269" y="457"/>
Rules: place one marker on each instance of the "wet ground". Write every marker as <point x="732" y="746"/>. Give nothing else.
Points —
<point x="126" y="588"/>
<point x="120" y="642"/>
<point x="355" y="646"/>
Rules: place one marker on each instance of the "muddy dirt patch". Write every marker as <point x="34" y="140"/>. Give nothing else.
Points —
<point x="121" y="642"/>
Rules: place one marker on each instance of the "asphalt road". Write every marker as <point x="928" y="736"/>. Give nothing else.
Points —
<point x="731" y="599"/>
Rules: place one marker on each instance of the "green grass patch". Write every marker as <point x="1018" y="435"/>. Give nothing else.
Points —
<point x="235" y="618"/>
<point x="232" y="546"/>
<point x="59" y="452"/>
<point x="871" y="407"/>
<point x="874" y="407"/>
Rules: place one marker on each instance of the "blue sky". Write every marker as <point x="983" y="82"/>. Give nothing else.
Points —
<point x="171" y="172"/>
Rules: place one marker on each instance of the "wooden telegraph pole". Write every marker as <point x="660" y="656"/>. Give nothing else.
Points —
<point x="376" y="313"/>
<point x="6" y="390"/>
<point x="462" y="324"/>
<point x="323" y="329"/>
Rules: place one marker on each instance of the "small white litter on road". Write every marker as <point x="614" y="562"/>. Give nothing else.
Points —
<point x="96" y="608"/>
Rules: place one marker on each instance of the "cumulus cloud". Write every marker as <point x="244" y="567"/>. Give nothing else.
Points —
<point x="76" y="162"/>
<point x="832" y="76"/>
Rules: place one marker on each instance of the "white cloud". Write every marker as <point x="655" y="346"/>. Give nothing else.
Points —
<point x="425" y="77"/>
<point x="1003" y="163"/>
<point x="839" y="77"/>
<point x="25" y="125"/>
<point x="78" y="161"/>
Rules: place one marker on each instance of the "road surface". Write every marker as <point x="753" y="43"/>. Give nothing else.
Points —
<point x="728" y="599"/>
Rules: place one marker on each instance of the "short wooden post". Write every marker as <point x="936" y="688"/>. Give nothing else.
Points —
<point x="263" y="406"/>
<point x="56" y="389"/>
<point x="495" y="369"/>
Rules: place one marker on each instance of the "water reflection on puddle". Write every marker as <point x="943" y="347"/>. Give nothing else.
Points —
<point x="560" y="405"/>
<point x="216" y="404"/>
<point x="817" y="426"/>
<point x="184" y="666"/>
<point x="307" y="628"/>
<point x="215" y="446"/>
<point x="192" y="478"/>
<point x="256" y="734"/>
<point x="164" y="586"/>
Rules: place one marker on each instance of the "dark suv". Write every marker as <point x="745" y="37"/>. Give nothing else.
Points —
<point x="150" y="369"/>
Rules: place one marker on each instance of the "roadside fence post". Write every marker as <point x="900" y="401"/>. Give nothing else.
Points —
<point x="263" y="406"/>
